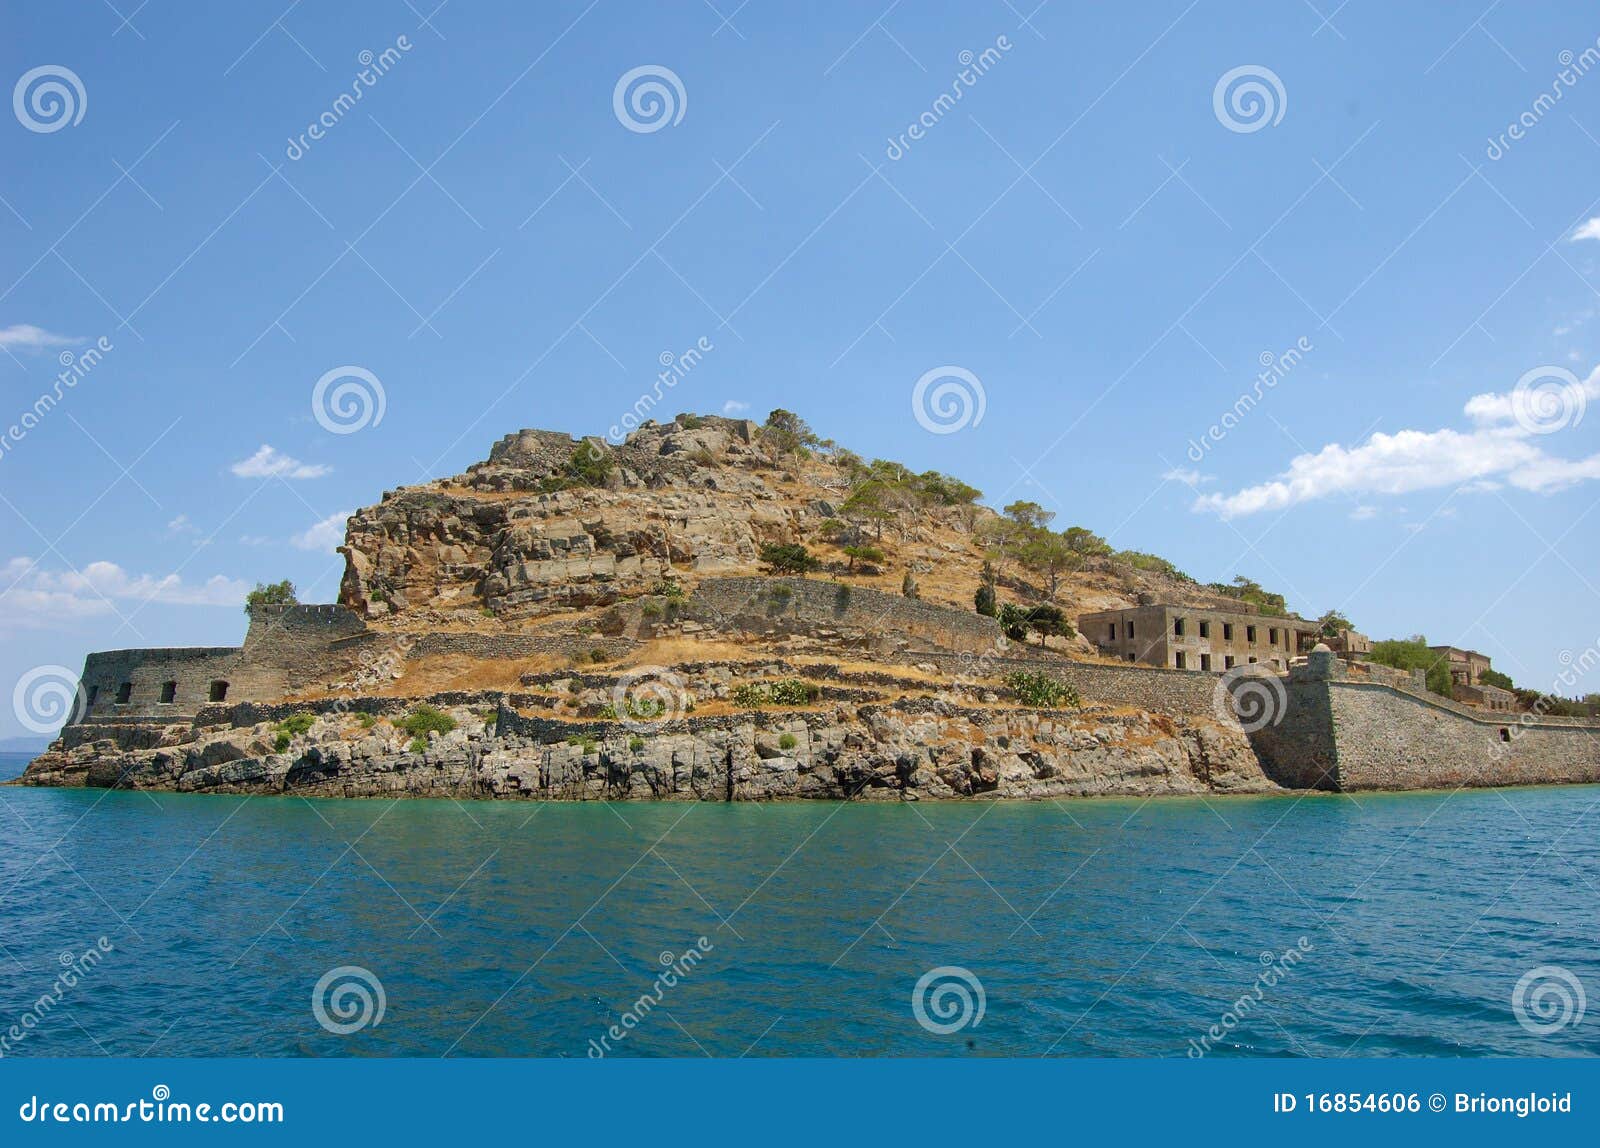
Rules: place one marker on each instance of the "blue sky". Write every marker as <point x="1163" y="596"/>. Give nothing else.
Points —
<point x="1095" y="233"/>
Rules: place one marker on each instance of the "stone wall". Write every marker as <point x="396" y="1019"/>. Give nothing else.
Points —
<point x="1339" y="732"/>
<point x="806" y="605"/>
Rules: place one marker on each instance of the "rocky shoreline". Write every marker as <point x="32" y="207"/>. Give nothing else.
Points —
<point x="909" y="750"/>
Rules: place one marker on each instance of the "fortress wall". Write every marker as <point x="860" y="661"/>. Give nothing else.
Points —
<point x="1388" y="739"/>
<point x="739" y="603"/>
<point x="1183" y="693"/>
<point x="147" y="672"/>
<point x="514" y="646"/>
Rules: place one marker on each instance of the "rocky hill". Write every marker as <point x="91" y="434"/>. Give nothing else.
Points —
<point x="549" y="525"/>
<point x="712" y="609"/>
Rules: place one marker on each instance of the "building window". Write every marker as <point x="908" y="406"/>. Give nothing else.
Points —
<point x="1205" y="659"/>
<point x="1505" y="734"/>
<point x="1178" y="660"/>
<point x="1133" y="657"/>
<point x="1252" y="660"/>
<point x="1177" y="627"/>
<point x="169" y="692"/>
<point x="1205" y="629"/>
<point x="94" y="692"/>
<point x="219" y="691"/>
<point x="1227" y="661"/>
<point x="1227" y="631"/>
<point x="1130" y="631"/>
<point x="124" y="693"/>
<point x="1113" y="631"/>
<point x="1272" y="635"/>
<point x="1250" y="636"/>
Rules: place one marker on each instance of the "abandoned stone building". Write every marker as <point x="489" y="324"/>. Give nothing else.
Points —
<point x="1351" y="645"/>
<point x="1186" y="638"/>
<point x="1467" y="668"/>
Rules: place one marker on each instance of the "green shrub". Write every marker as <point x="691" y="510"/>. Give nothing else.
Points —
<point x="781" y="593"/>
<point x="296" y="724"/>
<point x="490" y="717"/>
<point x="607" y="712"/>
<point x="651" y="609"/>
<point x="784" y="692"/>
<point x="589" y="465"/>
<point x="419" y="745"/>
<point x="366" y="720"/>
<point x="425" y="719"/>
<point x="599" y="655"/>
<point x="636" y="744"/>
<point x="691" y="422"/>
<point x="788" y="558"/>
<point x="281" y="744"/>
<point x="841" y="597"/>
<point x="1034" y="688"/>
<point x="787" y="741"/>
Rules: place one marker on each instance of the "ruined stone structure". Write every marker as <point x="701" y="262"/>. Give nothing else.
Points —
<point x="1342" y="733"/>
<point x="1185" y="638"/>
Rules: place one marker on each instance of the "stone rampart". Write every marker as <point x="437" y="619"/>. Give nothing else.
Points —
<point x="803" y="605"/>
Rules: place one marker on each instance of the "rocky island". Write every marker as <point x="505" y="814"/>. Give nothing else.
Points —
<point x="725" y="611"/>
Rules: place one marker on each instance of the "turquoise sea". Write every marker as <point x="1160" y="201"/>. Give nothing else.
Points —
<point x="1083" y="928"/>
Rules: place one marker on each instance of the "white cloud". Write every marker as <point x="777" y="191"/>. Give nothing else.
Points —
<point x="734" y="406"/>
<point x="36" y="598"/>
<point x="1186" y="476"/>
<point x="1498" y="451"/>
<point x="1587" y="230"/>
<point x="27" y="337"/>
<point x="269" y="462"/>
<point x="324" y="535"/>
<point x="1363" y="512"/>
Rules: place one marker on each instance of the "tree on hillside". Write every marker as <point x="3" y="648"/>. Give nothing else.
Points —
<point x="984" y="601"/>
<point x="786" y="433"/>
<point x="788" y="558"/>
<point x="271" y="594"/>
<point x="1252" y="593"/>
<point x="868" y="554"/>
<point x="1496" y="678"/>
<point x="1332" y="622"/>
<point x="1047" y="553"/>
<point x="1029" y="514"/>
<point x="1085" y="543"/>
